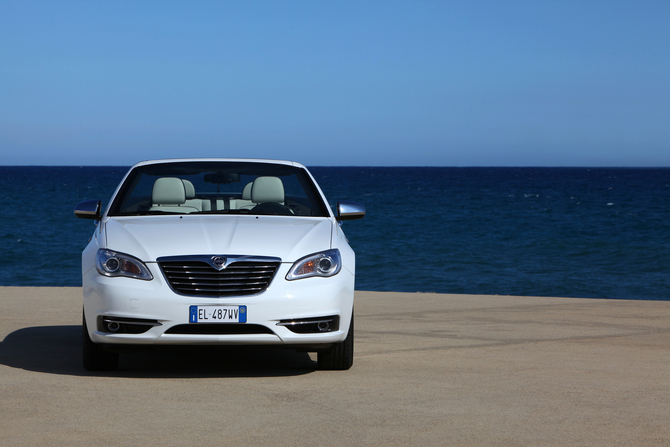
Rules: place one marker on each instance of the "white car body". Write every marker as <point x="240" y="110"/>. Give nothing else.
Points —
<point x="312" y="313"/>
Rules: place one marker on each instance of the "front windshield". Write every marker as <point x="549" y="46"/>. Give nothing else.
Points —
<point x="218" y="188"/>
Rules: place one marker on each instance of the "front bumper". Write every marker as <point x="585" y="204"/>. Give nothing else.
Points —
<point x="130" y="299"/>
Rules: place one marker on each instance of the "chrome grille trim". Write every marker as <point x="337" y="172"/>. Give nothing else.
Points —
<point x="199" y="275"/>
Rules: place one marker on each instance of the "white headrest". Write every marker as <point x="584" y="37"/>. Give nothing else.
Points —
<point x="246" y="193"/>
<point x="267" y="189"/>
<point x="168" y="191"/>
<point x="189" y="189"/>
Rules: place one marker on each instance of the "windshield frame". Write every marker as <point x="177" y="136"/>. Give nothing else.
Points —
<point x="226" y="170"/>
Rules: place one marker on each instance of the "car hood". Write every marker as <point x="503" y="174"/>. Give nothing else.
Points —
<point x="150" y="237"/>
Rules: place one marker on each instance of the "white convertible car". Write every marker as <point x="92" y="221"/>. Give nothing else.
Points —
<point x="218" y="252"/>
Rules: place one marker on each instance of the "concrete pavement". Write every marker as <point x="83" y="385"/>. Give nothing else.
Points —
<point x="429" y="369"/>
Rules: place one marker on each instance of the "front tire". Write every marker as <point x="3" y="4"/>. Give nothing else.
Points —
<point x="95" y="358"/>
<point x="341" y="355"/>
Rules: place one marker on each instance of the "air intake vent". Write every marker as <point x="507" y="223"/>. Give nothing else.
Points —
<point x="219" y="329"/>
<point x="219" y="276"/>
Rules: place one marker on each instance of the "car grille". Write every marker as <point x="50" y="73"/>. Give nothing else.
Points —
<point x="197" y="276"/>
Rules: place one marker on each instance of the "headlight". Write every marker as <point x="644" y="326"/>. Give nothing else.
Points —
<point x="111" y="263"/>
<point x="326" y="263"/>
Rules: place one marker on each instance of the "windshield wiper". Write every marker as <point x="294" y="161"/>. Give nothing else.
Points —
<point x="242" y="211"/>
<point x="150" y="213"/>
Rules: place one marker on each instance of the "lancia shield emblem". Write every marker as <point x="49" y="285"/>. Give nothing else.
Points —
<point x="219" y="262"/>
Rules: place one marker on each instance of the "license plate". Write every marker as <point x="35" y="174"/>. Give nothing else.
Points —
<point x="217" y="314"/>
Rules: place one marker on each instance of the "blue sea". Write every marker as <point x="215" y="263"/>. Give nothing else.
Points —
<point x="570" y="232"/>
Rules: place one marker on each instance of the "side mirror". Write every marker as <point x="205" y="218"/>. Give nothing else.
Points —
<point x="349" y="211"/>
<point x="89" y="209"/>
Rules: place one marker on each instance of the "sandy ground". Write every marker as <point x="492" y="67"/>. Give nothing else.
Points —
<point x="429" y="369"/>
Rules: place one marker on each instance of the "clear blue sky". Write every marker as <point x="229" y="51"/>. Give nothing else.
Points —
<point x="376" y="83"/>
